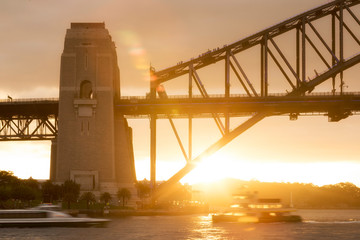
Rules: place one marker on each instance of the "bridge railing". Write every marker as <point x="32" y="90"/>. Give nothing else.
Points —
<point x="313" y="94"/>
<point x="23" y="100"/>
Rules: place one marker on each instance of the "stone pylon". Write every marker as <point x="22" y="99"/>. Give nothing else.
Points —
<point x="94" y="144"/>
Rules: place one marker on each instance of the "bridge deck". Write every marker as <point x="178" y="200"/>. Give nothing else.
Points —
<point x="239" y="106"/>
<point x="29" y="108"/>
<point x="182" y="106"/>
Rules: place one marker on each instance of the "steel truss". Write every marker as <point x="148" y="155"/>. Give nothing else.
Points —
<point x="307" y="39"/>
<point x="23" y="120"/>
<point x="28" y="128"/>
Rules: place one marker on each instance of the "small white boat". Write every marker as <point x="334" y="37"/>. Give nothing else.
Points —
<point x="45" y="218"/>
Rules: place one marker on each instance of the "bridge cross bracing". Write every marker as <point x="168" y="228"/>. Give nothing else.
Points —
<point x="326" y="55"/>
<point x="28" y="119"/>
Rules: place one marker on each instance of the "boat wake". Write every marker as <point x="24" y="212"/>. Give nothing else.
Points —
<point x="349" y="221"/>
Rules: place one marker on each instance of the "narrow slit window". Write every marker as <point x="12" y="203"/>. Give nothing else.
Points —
<point x="86" y="62"/>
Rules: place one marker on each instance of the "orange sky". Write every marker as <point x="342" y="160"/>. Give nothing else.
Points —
<point x="163" y="33"/>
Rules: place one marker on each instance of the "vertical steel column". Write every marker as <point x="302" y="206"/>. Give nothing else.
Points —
<point x="227" y="74"/>
<point x="341" y="42"/>
<point x="303" y="51"/>
<point x="333" y="43"/>
<point x="153" y="151"/>
<point x="298" y="56"/>
<point x="227" y="88"/>
<point x="190" y="138"/>
<point x="53" y="158"/>
<point x="262" y="70"/>
<point x="190" y="115"/>
<point x="152" y="133"/>
<point x="264" y="67"/>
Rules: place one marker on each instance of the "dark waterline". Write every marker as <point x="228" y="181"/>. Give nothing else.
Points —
<point x="318" y="224"/>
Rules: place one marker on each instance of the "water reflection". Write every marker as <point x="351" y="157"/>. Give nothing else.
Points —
<point x="318" y="224"/>
<point x="204" y="229"/>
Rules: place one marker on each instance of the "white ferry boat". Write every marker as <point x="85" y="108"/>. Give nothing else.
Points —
<point x="45" y="218"/>
<point x="247" y="208"/>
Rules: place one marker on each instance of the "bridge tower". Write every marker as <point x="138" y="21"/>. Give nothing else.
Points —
<point x="94" y="144"/>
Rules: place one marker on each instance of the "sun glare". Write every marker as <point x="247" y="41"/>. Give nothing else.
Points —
<point x="34" y="161"/>
<point x="26" y="160"/>
<point x="221" y="166"/>
<point x="136" y="51"/>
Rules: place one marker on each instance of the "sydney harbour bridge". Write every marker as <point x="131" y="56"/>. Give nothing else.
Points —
<point x="301" y="70"/>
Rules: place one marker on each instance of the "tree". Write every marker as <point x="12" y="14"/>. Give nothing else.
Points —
<point x="106" y="197"/>
<point x="5" y="194"/>
<point x="50" y="192"/>
<point x="71" y="191"/>
<point x="123" y="194"/>
<point x="143" y="188"/>
<point x="88" y="197"/>
<point x="23" y="193"/>
<point x="7" y="178"/>
<point x="34" y="185"/>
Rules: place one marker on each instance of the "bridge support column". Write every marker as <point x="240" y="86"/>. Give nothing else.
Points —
<point x="53" y="158"/>
<point x="94" y="145"/>
<point x="153" y="151"/>
<point x="153" y="87"/>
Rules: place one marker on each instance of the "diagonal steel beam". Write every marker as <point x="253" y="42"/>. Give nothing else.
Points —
<point x="349" y="30"/>
<point x="164" y="188"/>
<point x="309" y="86"/>
<point x="281" y="69"/>
<point x="284" y="59"/>
<point x="352" y="14"/>
<point x="243" y="73"/>
<point x="240" y="79"/>
<point x="206" y="95"/>
<point x="162" y="94"/>
<point x="227" y="138"/>
<point x="317" y="51"/>
<point x="323" y="41"/>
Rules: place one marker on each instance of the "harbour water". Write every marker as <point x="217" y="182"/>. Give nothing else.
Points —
<point x="318" y="224"/>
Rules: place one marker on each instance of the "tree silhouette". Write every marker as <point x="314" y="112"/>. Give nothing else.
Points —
<point x="143" y="190"/>
<point x="123" y="194"/>
<point x="106" y="197"/>
<point x="71" y="191"/>
<point x="88" y="197"/>
<point x="7" y="178"/>
<point x="5" y="194"/>
<point x="50" y="192"/>
<point x="23" y="193"/>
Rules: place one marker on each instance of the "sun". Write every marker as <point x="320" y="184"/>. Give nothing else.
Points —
<point x="224" y="165"/>
<point x="211" y="169"/>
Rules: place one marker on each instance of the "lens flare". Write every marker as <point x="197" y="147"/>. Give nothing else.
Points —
<point x="132" y="42"/>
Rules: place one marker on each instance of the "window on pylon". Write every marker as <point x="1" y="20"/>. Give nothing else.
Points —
<point x="86" y="89"/>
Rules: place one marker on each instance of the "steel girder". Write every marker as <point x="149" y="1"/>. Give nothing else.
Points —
<point x="239" y="106"/>
<point x="23" y="120"/>
<point x="295" y="74"/>
<point x="27" y="128"/>
<point x="298" y="22"/>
